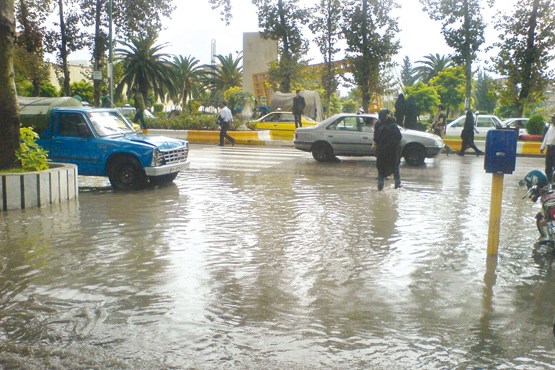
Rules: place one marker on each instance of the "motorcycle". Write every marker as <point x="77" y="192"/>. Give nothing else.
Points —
<point x="539" y="188"/>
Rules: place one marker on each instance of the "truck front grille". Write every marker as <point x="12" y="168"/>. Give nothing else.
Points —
<point x="175" y="155"/>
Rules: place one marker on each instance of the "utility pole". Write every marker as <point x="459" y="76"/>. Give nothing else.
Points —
<point x="110" y="55"/>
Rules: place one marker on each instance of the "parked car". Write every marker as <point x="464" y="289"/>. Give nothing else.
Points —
<point x="280" y="123"/>
<point x="484" y="123"/>
<point x="350" y="134"/>
<point x="511" y="123"/>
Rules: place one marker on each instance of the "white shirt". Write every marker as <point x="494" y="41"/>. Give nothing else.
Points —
<point x="226" y="115"/>
<point x="549" y="138"/>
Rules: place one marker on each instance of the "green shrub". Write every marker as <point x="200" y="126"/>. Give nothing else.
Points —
<point x="535" y="125"/>
<point x="32" y="156"/>
<point x="185" y="122"/>
<point x="158" y="108"/>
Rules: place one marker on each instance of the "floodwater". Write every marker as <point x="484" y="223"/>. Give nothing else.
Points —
<point x="293" y="265"/>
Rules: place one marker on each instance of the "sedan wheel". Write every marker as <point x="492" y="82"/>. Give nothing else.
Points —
<point x="414" y="155"/>
<point x="322" y="152"/>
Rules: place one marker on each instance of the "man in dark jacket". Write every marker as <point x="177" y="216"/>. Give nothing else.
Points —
<point x="298" y="109"/>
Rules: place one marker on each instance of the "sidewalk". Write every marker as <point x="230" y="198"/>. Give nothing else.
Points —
<point x="524" y="148"/>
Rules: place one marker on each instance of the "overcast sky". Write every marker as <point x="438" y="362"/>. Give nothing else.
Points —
<point x="194" y="25"/>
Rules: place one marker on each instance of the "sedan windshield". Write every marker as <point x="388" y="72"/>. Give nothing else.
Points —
<point x="109" y="123"/>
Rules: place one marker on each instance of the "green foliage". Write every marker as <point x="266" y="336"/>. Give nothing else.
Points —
<point x="430" y="66"/>
<point x="158" y="108"/>
<point x="535" y="125"/>
<point x="32" y="156"/>
<point x="408" y="73"/>
<point x="238" y="99"/>
<point x="185" y="122"/>
<point x="146" y="68"/>
<point x="485" y="95"/>
<point x="370" y="33"/>
<point x="450" y="85"/>
<point x="525" y="53"/>
<point x="349" y="106"/>
<point x="84" y="89"/>
<point x="425" y="97"/>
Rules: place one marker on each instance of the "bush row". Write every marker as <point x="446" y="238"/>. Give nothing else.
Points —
<point x="184" y="122"/>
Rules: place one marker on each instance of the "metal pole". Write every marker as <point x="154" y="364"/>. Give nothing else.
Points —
<point x="495" y="213"/>
<point x="110" y="55"/>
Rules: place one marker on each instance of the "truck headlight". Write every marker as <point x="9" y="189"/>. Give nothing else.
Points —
<point x="157" y="158"/>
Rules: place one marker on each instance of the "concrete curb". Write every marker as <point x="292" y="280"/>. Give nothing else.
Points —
<point x="524" y="148"/>
<point x="213" y="137"/>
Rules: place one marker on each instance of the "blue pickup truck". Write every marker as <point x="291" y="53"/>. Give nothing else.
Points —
<point x="101" y="142"/>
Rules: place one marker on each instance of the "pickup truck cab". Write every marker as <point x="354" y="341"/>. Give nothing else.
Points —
<point x="101" y="142"/>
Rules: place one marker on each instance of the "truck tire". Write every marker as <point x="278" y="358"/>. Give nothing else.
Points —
<point x="126" y="173"/>
<point x="162" y="180"/>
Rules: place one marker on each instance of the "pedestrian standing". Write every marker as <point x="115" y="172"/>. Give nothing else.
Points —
<point x="440" y="124"/>
<point x="383" y="115"/>
<point x="224" y="120"/>
<point x="140" y="113"/>
<point x="388" y="152"/>
<point x="549" y="143"/>
<point x="298" y="109"/>
<point x="467" y="135"/>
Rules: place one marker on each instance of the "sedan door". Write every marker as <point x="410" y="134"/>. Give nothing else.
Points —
<point x="346" y="137"/>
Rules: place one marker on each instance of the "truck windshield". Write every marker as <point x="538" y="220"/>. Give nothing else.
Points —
<point x="109" y="123"/>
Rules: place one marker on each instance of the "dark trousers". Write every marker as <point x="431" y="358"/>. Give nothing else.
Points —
<point x="469" y="144"/>
<point x="550" y="162"/>
<point x="140" y="116"/>
<point x="298" y="121"/>
<point x="223" y="134"/>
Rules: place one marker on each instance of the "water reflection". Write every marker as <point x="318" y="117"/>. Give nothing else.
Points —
<point x="285" y="268"/>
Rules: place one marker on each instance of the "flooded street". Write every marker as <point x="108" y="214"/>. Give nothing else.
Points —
<point x="261" y="257"/>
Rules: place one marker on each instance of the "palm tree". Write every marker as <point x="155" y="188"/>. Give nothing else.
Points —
<point x="189" y="78"/>
<point x="145" y="68"/>
<point x="228" y="73"/>
<point x="431" y="66"/>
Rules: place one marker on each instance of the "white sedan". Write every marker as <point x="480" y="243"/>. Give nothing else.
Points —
<point x="483" y="122"/>
<point x="349" y="134"/>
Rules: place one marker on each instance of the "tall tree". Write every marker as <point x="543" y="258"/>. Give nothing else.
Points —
<point x="450" y="85"/>
<point x="227" y="73"/>
<point x="484" y="93"/>
<point x="9" y="119"/>
<point x="431" y="65"/>
<point x="189" y="77"/>
<point x="526" y="43"/>
<point x="69" y="39"/>
<point x="463" y="30"/>
<point x="282" y="20"/>
<point x="326" y="25"/>
<point x="370" y="35"/>
<point x="146" y="68"/>
<point x="408" y="74"/>
<point x="30" y="65"/>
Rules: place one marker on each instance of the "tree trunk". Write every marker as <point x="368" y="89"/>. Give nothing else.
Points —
<point x="528" y="60"/>
<point x="467" y="53"/>
<point x="66" y="90"/>
<point x="9" y="119"/>
<point x="99" y="50"/>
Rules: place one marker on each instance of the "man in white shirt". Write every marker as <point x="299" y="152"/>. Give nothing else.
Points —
<point x="549" y="143"/>
<point x="224" y="120"/>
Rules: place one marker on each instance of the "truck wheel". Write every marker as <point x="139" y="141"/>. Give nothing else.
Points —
<point x="125" y="173"/>
<point x="414" y="155"/>
<point x="162" y="180"/>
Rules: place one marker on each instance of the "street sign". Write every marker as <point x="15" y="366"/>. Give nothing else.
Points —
<point x="97" y="75"/>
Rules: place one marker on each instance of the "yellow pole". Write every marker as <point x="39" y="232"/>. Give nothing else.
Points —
<point x="495" y="212"/>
